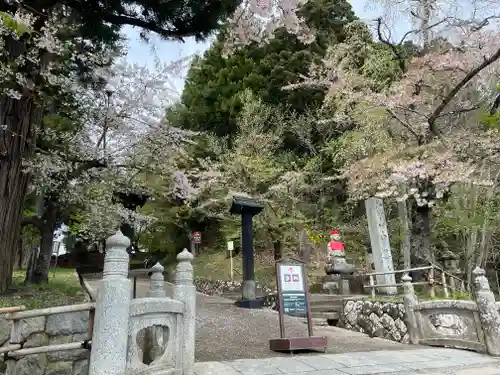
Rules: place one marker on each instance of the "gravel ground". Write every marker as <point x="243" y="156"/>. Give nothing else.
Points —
<point x="225" y="332"/>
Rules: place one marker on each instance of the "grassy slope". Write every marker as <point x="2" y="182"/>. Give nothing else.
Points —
<point x="63" y="288"/>
<point x="215" y="266"/>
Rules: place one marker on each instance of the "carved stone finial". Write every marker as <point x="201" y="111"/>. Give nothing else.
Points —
<point x="157" y="286"/>
<point x="478" y="272"/>
<point x="116" y="261"/>
<point x="407" y="285"/>
<point x="184" y="270"/>
<point x="480" y="281"/>
<point x="406" y="278"/>
<point x="185" y="256"/>
<point x="158" y="268"/>
<point x="118" y="240"/>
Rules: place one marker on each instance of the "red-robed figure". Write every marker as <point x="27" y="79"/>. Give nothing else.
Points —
<point x="335" y="246"/>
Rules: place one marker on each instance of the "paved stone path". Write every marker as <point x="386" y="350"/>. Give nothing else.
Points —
<point x="432" y="361"/>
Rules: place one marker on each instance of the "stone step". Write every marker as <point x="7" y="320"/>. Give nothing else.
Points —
<point x="325" y="315"/>
<point x="333" y="302"/>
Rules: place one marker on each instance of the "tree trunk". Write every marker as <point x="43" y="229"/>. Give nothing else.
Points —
<point x="47" y="228"/>
<point x="421" y="236"/>
<point x="41" y="273"/>
<point x="18" y="118"/>
<point x="31" y="264"/>
<point x="18" y="260"/>
<point x="278" y="250"/>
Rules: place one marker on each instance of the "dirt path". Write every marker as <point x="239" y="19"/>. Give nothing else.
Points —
<point x="226" y="332"/>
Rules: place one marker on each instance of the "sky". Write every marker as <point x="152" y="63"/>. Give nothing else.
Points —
<point x="141" y="53"/>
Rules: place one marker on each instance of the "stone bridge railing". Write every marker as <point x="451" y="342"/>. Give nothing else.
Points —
<point x="147" y="336"/>
<point x="473" y="325"/>
<point x="125" y="336"/>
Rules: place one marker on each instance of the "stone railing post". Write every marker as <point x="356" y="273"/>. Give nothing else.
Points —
<point x="185" y="291"/>
<point x="110" y="335"/>
<point x="488" y="313"/>
<point x="157" y="283"/>
<point x="154" y="334"/>
<point x="410" y="301"/>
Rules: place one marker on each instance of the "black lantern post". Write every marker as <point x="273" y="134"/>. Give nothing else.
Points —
<point x="247" y="208"/>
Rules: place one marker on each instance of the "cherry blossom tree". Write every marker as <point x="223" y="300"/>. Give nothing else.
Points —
<point x="420" y="133"/>
<point x="122" y="137"/>
<point x="47" y="47"/>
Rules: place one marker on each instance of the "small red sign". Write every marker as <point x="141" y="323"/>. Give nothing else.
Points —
<point x="196" y="236"/>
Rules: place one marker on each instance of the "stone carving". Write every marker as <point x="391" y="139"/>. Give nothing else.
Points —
<point x="185" y="291"/>
<point x="473" y="325"/>
<point x="448" y="324"/>
<point x="488" y="312"/>
<point x="149" y="336"/>
<point x="109" y="346"/>
<point x="154" y="320"/>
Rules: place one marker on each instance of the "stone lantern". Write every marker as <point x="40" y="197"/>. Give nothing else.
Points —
<point x="131" y="201"/>
<point x="451" y="262"/>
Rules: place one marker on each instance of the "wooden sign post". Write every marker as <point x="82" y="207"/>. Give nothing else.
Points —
<point x="293" y="299"/>
<point x="230" y="248"/>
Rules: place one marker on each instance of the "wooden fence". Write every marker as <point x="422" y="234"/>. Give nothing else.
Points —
<point x="436" y="276"/>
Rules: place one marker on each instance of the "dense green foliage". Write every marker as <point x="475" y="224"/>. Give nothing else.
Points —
<point x="211" y="101"/>
<point x="312" y="151"/>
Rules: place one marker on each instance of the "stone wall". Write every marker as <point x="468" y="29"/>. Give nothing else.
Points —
<point x="48" y="330"/>
<point x="376" y="319"/>
<point x="219" y="287"/>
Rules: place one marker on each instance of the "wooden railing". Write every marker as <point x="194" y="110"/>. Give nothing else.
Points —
<point x="15" y="346"/>
<point x="436" y="277"/>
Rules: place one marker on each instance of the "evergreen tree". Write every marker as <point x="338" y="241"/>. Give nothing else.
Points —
<point x="211" y="101"/>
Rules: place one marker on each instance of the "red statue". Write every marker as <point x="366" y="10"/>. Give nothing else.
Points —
<point x="335" y="246"/>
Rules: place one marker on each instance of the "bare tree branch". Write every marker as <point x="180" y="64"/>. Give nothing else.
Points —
<point x="418" y="31"/>
<point x="458" y="111"/>
<point x="395" y="49"/>
<point x="32" y="220"/>
<point x="406" y="125"/>
<point x="432" y="120"/>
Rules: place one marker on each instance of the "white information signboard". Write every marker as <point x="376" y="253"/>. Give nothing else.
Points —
<point x="291" y="278"/>
<point x="230" y="245"/>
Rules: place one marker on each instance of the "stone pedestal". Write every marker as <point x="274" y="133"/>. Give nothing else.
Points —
<point x="335" y="281"/>
<point x="345" y="287"/>
<point x="381" y="249"/>
<point x="332" y="283"/>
